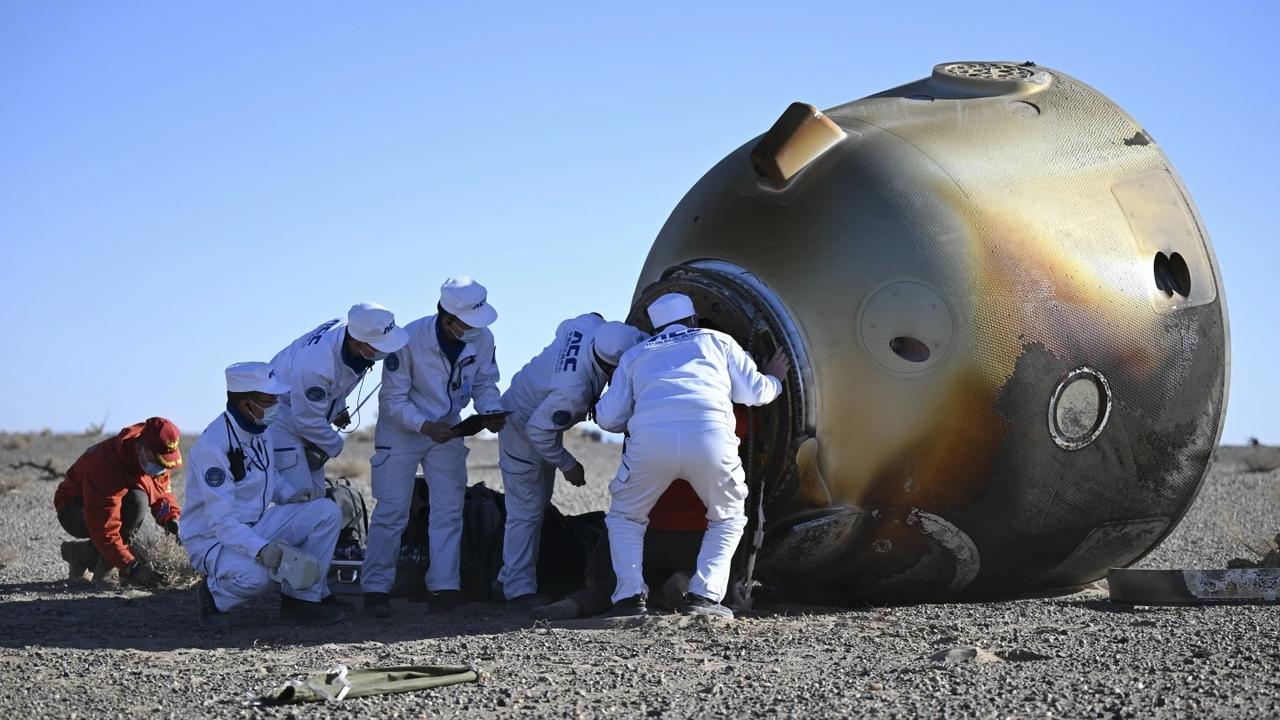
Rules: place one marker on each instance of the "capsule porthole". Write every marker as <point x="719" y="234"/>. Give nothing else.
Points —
<point x="1079" y="408"/>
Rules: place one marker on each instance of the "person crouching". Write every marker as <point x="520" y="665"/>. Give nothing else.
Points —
<point x="107" y="493"/>
<point x="237" y="524"/>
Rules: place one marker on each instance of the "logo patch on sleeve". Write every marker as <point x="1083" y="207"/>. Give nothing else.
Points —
<point x="561" y="418"/>
<point x="315" y="393"/>
<point x="392" y="362"/>
<point x="214" y="476"/>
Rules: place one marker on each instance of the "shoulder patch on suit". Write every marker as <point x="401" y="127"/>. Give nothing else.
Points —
<point x="315" y="393"/>
<point x="561" y="418"/>
<point x="392" y="362"/>
<point x="214" y="476"/>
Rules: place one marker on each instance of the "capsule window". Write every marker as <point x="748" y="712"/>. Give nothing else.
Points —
<point x="1079" y="408"/>
<point x="1172" y="275"/>
<point x="909" y="349"/>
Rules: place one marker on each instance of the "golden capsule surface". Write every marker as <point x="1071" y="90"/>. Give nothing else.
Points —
<point x="1008" y="328"/>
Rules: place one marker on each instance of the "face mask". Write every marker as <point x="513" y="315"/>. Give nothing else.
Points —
<point x="268" y="413"/>
<point x="148" y="467"/>
<point x="471" y="335"/>
<point x="374" y="356"/>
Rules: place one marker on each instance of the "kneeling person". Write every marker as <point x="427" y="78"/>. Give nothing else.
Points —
<point x="108" y="492"/>
<point x="236" y="525"/>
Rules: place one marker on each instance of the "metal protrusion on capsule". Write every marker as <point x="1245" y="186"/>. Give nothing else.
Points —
<point x="800" y="136"/>
<point x="812" y="486"/>
<point x="974" y="79"/>
<point x="1168" y="241"/>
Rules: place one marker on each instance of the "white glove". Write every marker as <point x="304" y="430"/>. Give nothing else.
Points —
<point x="270" y="556"/>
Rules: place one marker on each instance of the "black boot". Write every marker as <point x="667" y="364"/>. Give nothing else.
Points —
<point x="308" y="612"/>
<point x="209" y="613"/>
<point x="566" y="609"/>
<point x="633" y="606"/>
<point x="695" y="604"/>
<point x="527" y="602"/>
<point x="81" y="557"/>
<point x="377" y="604"/>
<point x="345" y="606"/>
<point x="444" y="601"/>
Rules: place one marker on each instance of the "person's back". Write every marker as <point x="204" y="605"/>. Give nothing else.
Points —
<point x="284" y="361"/>
<point x="682" y="375"/>
<point x="674" y="397"/>
<point x="692" y="374"/>
<point x="530" y="386"/>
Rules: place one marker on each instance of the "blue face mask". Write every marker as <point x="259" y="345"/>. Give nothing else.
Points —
<point x="153" y="469"/>
<point x="268" y="414"/>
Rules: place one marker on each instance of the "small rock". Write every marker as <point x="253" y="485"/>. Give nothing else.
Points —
<point x="1023" y="655"/>
<point x="965" y="654"/>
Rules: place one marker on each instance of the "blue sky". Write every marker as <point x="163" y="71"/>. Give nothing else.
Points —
<point x="186" y="185"/>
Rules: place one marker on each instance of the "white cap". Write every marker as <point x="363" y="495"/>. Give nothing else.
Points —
<point x="373" y="324"/>
<point x="468" y="300"/>
<point x="670" y="308"/>
<point x="254" y="377"/>
<point x="614" y="338"/>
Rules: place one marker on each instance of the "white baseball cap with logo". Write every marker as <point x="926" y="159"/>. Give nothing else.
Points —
<point x="468" y="300"/>
<point x="254" y="377"/>
<point x="613" y="338"/>
<point x="374" y="324"/>
<point x="670" y="308"/>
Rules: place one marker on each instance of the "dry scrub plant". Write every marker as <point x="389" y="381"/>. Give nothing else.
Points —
<point x="166" y="556"/>
<point x="1259" y="458"/>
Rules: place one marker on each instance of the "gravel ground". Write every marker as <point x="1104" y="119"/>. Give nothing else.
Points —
<point x="69" y="651"/>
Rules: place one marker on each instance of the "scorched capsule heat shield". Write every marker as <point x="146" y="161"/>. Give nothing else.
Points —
<point x="1008" y="328"/>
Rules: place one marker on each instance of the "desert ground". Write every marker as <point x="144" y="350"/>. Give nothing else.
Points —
<point x="67" y="650"/>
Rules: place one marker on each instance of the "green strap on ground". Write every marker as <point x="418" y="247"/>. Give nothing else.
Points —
<point x="340" y="683"/>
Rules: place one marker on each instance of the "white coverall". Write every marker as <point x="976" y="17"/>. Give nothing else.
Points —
<point x="320" y="373"/>
<point x="674" y="395"/>
<point x="550" y="394"/>
<point x="226" y="523"/>
<point x="419" y="383"/>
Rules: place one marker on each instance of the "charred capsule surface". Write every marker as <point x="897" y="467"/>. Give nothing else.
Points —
<point x="1008" y="328"/>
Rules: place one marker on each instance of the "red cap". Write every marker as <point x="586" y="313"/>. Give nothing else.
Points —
<point x="161" y="436"/>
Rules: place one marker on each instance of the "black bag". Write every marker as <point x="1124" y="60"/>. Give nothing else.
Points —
<point x="483" y="519"/>
<point x="355" y="519"/>
<point x="566" y="545"/>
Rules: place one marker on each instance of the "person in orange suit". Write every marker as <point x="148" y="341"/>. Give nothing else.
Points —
<point x="107" y="492"/>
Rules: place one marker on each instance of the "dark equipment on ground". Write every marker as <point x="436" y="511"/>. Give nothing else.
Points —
<point x="348" y="552"/>
<point x="1195" y="587"/>
<point x="340" y="683"/>
<point x="566" y="545"/>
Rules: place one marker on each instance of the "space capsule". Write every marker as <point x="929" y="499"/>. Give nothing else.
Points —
<point x="1007" y="325"/>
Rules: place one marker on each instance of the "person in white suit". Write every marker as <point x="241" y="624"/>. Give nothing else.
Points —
<point x="553" y="392"/>
<point x="447" y="363"/>
<point x="674" y="396"/>
<point x="237" y="526"/>
<point x="322" y="368"/>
